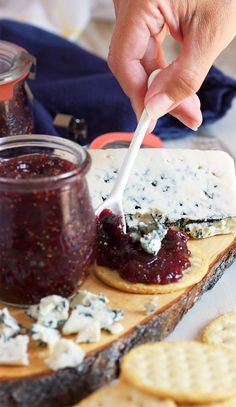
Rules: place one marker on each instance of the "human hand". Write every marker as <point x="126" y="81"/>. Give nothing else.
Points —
<point x="203" y="28"/>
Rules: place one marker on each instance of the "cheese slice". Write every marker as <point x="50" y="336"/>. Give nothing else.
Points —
<point x="194" y="190"/>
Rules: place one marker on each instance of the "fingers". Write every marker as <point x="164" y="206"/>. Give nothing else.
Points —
<point x="189" y="112"/>
<point x="129" y="44"/>
<point x="175" y="83"/>
<point x="203" y="28"/>
<point x="132" y="61"/>
<point x="154" y="57"/>
<point x="127" y="67"/>
<point x="202" y="41"/>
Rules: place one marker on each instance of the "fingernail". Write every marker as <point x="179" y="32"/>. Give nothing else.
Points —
<point x="193" y="125"/>
<point x="159" y="105"/>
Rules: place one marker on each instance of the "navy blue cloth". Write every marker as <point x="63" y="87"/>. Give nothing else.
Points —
<point x="73" y="81"/>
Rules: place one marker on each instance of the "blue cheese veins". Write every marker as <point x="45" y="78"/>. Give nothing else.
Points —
<point x="146" y="230"/>
<point x="91" y="314"/>
<point x="9" y="327"/>
<point x="191" y="189"/>
<point x="44" y="336"/>
<point x="52" y="311"/>
<point x="85" y="315"/>
<point x="64" y="354"/>
<point x="83" y="297"/>
<point x="14" y="351"/>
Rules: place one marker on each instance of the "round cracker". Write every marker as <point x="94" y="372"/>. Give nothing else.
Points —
<point x="183" y="371"/>
<point x="225" y="403"/>
<point x="194" y="274"/>
<point x="123" y="395"/>
<point x="222" y="331"/>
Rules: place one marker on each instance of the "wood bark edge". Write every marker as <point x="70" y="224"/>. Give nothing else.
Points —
<point x="68" y="386"/>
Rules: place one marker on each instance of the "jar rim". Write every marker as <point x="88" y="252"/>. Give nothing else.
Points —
<point x="15" y="62"/>
<point x="45" y="141"/>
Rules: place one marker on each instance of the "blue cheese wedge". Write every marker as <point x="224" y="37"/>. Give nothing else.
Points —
<point x="9" y="327"/>
<point x="91" y="314"/>
<point x="52" y="311"/>
<point x="191" y="189"/>
<point x="65" y="353"/>
<point x="14" y="351"/>
<point x="44" y="335"/>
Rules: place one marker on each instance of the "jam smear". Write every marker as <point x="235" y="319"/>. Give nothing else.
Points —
<point x="47" y="234"/>
<point x="115" y="249"/>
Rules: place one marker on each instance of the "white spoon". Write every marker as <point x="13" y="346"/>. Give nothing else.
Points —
<point x="114" y="200"/>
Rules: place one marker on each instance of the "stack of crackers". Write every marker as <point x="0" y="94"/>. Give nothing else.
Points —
<point x="183" y="374"/>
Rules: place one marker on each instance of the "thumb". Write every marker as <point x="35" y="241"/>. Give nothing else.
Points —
<point x="177" y="82"/>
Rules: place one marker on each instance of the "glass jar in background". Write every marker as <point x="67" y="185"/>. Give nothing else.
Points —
<point x="47" y="224"/>
<point x="15" y="107"/>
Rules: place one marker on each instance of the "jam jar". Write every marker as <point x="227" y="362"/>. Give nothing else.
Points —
<point x="47" y="224"/>
<point x="15" y="106"/>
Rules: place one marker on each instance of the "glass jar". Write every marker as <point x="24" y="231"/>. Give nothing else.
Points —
<point x="15" y="108"/>
<point x="47" y="224"/>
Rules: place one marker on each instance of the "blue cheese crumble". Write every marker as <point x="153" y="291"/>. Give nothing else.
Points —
<point x="83" y="297"/>
<point x="9" y="327"/>
<point x="14" y="351"/>
<point x="44" y="335"/>
<point x="88" y="328"/>
<point x="150" y="306"/>
<point x="90" y="314"/>
<point x="52" y="311"/>
<point x="85" y="315"/>
<point x="146" y="230"/>
<point x="65" y="353"/>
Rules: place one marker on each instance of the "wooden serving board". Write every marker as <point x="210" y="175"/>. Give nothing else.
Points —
<point x="35" y="385"/>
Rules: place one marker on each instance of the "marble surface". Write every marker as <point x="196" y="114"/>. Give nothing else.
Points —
<point x="222" y="297"/>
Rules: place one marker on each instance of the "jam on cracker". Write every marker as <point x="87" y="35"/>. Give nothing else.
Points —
<point x="115" y="249"/>
<point x="47" y="224"/>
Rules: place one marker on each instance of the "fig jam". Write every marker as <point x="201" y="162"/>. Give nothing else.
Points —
<point x="47" y="224"/>
<point x="116" y="250"/>
<point x="16" y="115"/>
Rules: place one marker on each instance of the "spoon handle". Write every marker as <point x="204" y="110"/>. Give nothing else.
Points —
<point x="131" y="155"/>
<point x="124" y="172"/>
